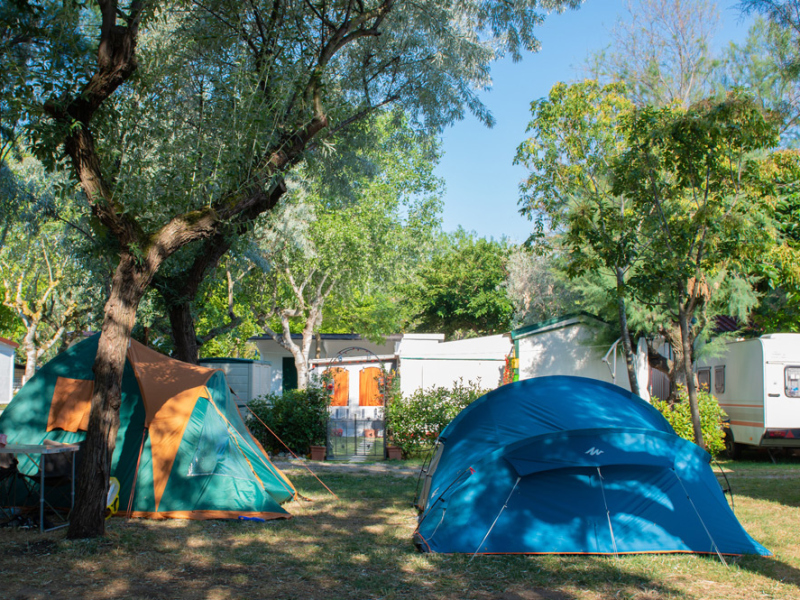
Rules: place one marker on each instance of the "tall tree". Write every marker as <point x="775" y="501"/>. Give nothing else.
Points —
<point x="694" y="171"/>
<point x="779" y="268"/>
<point x="662" y="51"/>
<point x="536" y="287"/>
<point x="350" y="252"/>
<point x="460" y="290"/>
<point x="766" y="66"/>
<point x="43" y="280"/>
<point x="226" y="99"/>
<point x="575" y="138"/>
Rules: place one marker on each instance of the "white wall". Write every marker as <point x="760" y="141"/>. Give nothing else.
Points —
<point x="275" y="358"/>
<point x="570" y="350"/>
<point x="270" y="351"/>
<point x="6" y="373"/>
<point x="247" y="379"/>
<point x="425" y="360"/>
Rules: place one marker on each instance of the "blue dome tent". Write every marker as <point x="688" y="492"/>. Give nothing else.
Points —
<point x="569" y="465"/>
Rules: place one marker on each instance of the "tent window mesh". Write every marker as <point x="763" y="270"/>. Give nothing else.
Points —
<point x="217" y="453"/>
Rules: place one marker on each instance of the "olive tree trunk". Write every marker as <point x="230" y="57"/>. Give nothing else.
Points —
<point x="127" y="288"/>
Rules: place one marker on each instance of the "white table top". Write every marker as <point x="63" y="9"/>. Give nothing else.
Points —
<point x="38" y="448"/>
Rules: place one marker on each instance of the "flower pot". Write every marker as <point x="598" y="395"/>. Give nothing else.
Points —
<point x="318" y="452"/>
<point x="394" y="453"/>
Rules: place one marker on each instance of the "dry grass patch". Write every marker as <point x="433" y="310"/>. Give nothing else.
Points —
<point x="359" y="547"/>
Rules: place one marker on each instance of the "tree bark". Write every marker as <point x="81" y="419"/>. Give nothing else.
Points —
<point x="691" y="388"/>
<point x="31" y="355"/>
<point x="658" y="361"/>
<point x="128" y="286"/>
<point x="630" y="360"/>
<point x="179" y="291"/>
<point x="184" y="333"/>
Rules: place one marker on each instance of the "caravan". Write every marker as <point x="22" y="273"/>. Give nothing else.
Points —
<point x="757" y="383"/>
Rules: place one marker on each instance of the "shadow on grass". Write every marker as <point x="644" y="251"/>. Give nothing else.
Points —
<point x="773" y="568"/>
<point x="764" y="480"/>
<point x="358" y="547"/>
<point x="761" y="480"/>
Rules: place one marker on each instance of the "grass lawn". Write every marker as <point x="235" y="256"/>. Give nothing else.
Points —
<point x="359" y="547"/>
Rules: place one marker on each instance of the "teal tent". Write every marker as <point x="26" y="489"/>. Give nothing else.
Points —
<point x="182" y="449"/>
<point x="569" y="465"/>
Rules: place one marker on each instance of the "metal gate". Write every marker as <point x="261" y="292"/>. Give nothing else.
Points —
<point x="354" y="439"/>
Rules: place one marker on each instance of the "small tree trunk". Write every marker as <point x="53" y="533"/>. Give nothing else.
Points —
<point x="630" y="360"/>
<point x="127" y="289"/>
<point x="184" y="334"/>
<point x="302" y="373"/>
<point x="691" y="388"/>
<point x="29" y="345"/>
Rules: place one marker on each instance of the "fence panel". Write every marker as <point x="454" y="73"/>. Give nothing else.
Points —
<point x="354" y="438"/>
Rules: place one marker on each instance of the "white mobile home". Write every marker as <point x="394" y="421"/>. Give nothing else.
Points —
<point x="426" y="360"/>
<point x="569" y="345"/>
<point x="354" y="362"/>
<point x="757" y="383"/>
<point x="7" y="348"/>
<point x="248" y="379"/>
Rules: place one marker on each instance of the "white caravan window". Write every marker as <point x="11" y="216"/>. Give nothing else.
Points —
<point x="792" y="382"/>
<point x="704" y="378"/>
<point x="719" y="379"/>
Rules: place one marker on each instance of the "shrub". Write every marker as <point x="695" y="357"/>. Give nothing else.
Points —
<point x="679" y="416"/>
<point x="416" y="421"/>
<point x="298" y="417"/>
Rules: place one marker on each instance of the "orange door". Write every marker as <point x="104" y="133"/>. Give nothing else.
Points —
<point x="369" y="392"/>
<point x="341" y="386"/>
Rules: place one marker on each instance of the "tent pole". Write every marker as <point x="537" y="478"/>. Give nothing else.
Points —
<point x="708" y="533"/>
<point x="608" y="513"/>
<point x="505" y="504"/>
<point x="428" y="510"/>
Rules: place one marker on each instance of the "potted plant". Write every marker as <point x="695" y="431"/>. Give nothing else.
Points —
<point x="394" y="453"/>
<point x="318" y="452"/>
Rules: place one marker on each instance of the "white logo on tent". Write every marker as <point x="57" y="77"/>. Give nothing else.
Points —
<point x="594" y="451"/>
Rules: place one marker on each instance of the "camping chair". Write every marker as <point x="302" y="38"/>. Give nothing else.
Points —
<point x="58" y="471"/>
<point x="9" y="476"/>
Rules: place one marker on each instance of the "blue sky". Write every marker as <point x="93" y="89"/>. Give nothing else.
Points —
<point x="482" y="184"/>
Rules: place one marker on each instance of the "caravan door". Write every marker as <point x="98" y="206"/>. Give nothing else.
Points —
<point x="781" y="404"/>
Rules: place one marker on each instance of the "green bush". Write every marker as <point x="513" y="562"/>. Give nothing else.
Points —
<point x="298" y="417"/>
<point x="415" y="422"/>
<point x="679" y="416"/>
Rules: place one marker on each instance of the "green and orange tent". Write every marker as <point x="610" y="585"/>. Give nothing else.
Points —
<point x="183" y="450"/>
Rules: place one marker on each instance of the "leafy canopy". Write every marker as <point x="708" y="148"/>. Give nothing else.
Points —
<point x="460" y="290"/>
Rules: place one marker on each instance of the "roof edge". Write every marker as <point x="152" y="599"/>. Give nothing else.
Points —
<point x="9" y="342"/>
<point x="555" y="323"/>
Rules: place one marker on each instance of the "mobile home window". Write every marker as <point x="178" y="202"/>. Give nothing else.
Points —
<point x="792" y="382"/>
<point x="719" y="379"/>
<point x="704" y="378"/>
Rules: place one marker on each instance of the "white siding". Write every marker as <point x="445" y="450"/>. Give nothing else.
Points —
<point x="570" y="350"/>
<point x="6" y="373"/>
<point x="261" y="383"/>
<point x="427" y="361"/>
<point x="247" y="379"/>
